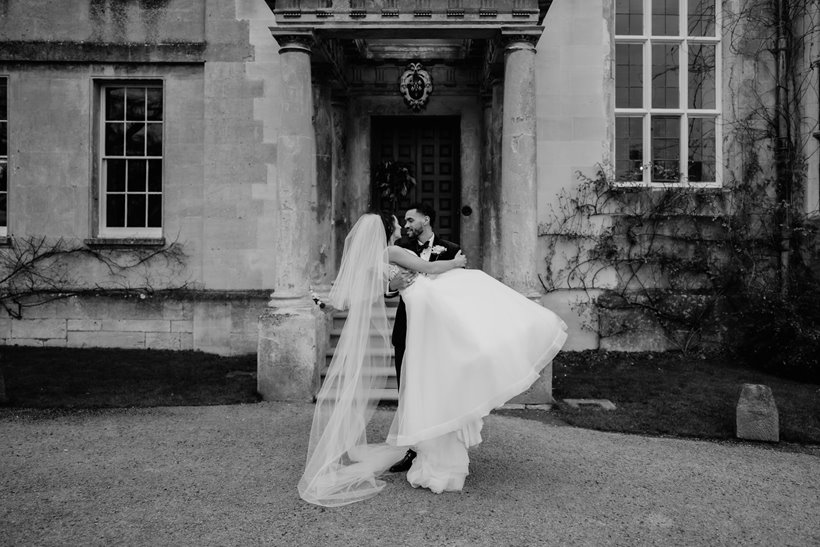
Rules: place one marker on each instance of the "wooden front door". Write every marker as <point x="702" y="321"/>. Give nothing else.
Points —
<point x="429" y="147"/>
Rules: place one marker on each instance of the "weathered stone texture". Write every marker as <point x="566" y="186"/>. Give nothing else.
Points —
<point x="94" y="21"/>
<point x="289" y="348"/>
<point x="225" y="325"/>
<point x="103" y="339"/>
<point x="757" y="416"/>
<point x="39" y="328"/>
<point x="540" y="392"/>
<point x="169" y="340"/>
<point x="145" y="325"/>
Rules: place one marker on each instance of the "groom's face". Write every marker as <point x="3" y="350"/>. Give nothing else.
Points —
<point x="414" y="223"/>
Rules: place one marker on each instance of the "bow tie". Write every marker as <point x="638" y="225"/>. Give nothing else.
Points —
<point x="422" y="246"/>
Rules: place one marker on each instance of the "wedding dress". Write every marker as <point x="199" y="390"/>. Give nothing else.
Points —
<point x="472" y="344"/>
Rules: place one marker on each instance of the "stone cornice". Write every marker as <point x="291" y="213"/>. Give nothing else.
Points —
<point x="421" y="19"/>
<point x="102" y="52"/>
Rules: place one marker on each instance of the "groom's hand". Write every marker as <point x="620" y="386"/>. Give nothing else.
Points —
<point x="402" y="281"/>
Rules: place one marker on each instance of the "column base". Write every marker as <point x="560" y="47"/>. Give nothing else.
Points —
<point x="292" y="344"/>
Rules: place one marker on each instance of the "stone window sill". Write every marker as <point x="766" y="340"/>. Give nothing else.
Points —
<point x="97" y="242"/>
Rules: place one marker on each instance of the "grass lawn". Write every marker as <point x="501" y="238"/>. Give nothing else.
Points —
<point x="654" y="393"/>
<point x="670" y="394"/>
<point x="98" y="378"/>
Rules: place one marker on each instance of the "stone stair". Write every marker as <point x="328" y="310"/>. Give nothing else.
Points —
<point x="390" y="392"/>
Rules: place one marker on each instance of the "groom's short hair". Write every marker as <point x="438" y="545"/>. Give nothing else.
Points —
<point x="425" y="209"/>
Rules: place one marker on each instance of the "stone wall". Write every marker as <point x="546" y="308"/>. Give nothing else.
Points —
<point x="219" y="190"/>
<point x="220" y="323"/>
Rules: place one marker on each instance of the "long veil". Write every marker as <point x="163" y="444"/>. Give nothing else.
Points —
<point x="341" y="467"/>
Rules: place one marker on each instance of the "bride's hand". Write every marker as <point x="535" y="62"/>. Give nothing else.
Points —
<point x="460" y="260"/>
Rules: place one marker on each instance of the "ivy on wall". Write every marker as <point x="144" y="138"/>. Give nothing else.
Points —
<point x="726" y="269"/>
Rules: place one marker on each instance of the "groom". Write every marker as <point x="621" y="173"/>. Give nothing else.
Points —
<point x="419" y="238"/>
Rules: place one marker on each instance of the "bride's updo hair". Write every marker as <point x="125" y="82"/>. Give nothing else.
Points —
<point x="387" y="221"/>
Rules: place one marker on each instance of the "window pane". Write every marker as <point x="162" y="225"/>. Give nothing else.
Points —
<point x="629" y="17"/>
<point x="4" y="114"/>
<point x="136" y="211"/>
<point x="665" y="76"/>
<point x="628" y="76"/>
<point x="135" y="104"/>
<point x="3" y="209"/>
<point x="4" y="145"/>
<point x="115" y="175"/>
<point x="629" y="149"/>
<point x="701" y="76"/>
<point x="136" y="175"/>
<point x="154" y="136"/>
<point x="135" y="139"/>
<point x="666" y="149"/>
<point x="131" y="181"/>
<point x="665" y="18"/>
<point x="702" y="150"/>
<point x="115" y="210"/>
<point x="114" y="100"/>
<point x="113" y="139"/>
<point x="154" y="211"/>
<point x="154" y="175"/>
<point x="155" y="103"/>
<point x="4" y="181"/>
<point x="701" y="18"/>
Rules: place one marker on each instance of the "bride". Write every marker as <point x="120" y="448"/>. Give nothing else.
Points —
<point x="472" y="344"/>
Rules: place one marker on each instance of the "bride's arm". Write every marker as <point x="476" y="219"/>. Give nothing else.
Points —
<point x="409" y="261"/>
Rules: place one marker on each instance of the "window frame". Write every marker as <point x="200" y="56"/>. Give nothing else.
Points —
<point x="647" y="112"/>
<point x="4" y="229"/>
<point x="100" y="229"/>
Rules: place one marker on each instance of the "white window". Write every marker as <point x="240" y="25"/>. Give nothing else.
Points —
<point x="131" y="160"/>
<point x="667" y="92"/>
<point x="4" y="157"/>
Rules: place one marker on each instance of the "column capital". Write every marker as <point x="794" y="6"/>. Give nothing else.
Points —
<point x="519" y="39"/>
<point x="291" y="39"/>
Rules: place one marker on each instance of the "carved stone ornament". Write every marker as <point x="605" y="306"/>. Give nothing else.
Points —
<point x="416" y="86"/>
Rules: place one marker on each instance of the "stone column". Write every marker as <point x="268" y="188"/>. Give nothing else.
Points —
<point x="491" y="173"/>
<point x="341" y="201"/>
<point x="518" y="219"/>
<point x="291" y="329"/>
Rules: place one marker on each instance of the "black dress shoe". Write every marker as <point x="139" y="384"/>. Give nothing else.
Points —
<point x="403" y="464"/>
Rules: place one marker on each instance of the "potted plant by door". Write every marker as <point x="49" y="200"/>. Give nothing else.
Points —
<point x="394" y="181"/>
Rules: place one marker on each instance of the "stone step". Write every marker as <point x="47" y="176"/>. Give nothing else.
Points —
<point x="339" y="318"/>
<point x="385" y="394"/>
<point x="387" y="352"/>
<point x="336" y="333"/>
<point x="390" y="392"/>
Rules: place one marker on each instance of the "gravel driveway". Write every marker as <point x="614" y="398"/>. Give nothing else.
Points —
<point x="226" y="475"/>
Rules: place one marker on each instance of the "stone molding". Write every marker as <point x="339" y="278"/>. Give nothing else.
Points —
<point x="430" y="10"/>
<point x="124" y="242"/>
<point x="519" y="39"/>
<point x="294" y="40"/>
<point x="102" y="52"/>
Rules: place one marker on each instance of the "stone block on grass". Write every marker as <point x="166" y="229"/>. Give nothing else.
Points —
<point x="757" y="417"/>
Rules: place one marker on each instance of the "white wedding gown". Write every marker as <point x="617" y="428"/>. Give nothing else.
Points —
<point x="472" y="344"/>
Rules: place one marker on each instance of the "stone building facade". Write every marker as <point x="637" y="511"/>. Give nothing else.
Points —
<point x="254" y="128"/>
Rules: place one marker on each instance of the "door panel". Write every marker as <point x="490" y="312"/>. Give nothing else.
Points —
<point x="429" y="146"/>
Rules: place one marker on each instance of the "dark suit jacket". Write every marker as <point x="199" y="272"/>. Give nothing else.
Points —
<point x="400" y="325"/>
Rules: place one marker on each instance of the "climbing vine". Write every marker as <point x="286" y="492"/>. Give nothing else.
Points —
<point x="705" y="269"/>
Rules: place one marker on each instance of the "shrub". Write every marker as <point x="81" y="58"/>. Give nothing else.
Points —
<point x="778" y="334"/>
